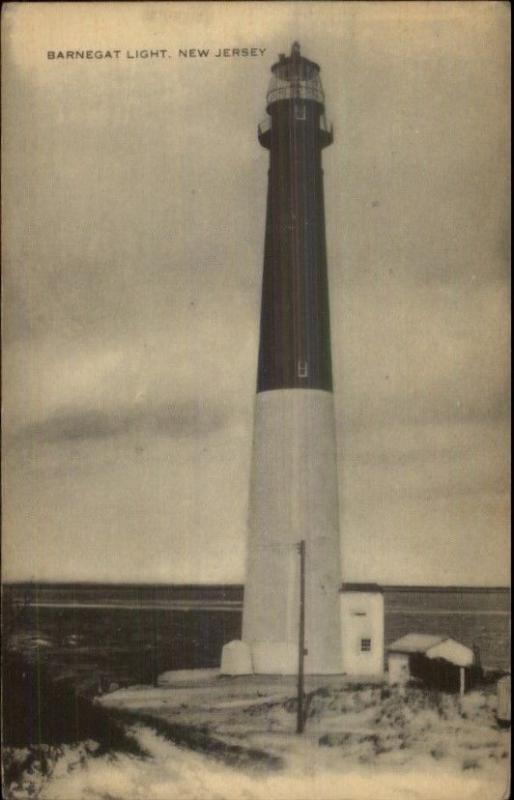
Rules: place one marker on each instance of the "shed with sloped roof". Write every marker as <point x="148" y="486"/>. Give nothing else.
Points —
<point x="438" y="661"/>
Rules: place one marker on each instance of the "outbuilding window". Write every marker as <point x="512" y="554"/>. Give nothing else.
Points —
<point x="365" y="645"/>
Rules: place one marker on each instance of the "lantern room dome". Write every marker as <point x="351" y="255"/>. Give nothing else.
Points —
<point x="295" y="77"/>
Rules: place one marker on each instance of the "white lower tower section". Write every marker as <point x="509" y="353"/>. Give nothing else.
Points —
<point x="293" y="496"/>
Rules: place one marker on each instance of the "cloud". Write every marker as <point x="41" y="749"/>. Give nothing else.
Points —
<point x="173" y="420"/>
<point x="420" y="354"/>
<point x="427" y="461"/>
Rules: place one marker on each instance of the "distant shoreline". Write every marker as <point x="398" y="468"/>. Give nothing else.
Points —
<point x="157" y="606"/>
<point x="233" y="586"/>
<point x="193" y="621"/>
<point x="237" y="607"/>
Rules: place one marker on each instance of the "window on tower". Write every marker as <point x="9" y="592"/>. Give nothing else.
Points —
<point x="303" y="369"/>
<point x="365" y="645"/>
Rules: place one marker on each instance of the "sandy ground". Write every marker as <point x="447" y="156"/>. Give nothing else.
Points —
<point x="360" y="742"/>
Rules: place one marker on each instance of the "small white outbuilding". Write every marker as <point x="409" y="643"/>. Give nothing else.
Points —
<point x="400" y="652"/>
<point x="435" y="659"/>
<point x="362" y="630"/>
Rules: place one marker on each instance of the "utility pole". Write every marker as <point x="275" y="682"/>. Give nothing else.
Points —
<point x="300" y="717"/>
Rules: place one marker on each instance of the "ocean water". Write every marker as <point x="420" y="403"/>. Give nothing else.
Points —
<point x="478" y="618"/>
<point x="98" y="635"/>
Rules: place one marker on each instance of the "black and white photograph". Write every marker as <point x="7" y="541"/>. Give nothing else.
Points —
<point x="256" y="400"/>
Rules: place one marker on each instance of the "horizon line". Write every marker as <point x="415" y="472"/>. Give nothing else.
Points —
<point x="240" y="585"/>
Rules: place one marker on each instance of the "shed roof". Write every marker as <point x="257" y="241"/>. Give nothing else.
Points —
<point x="415" y="643"/>
<point x="434" y="647"/>
<point x="452" y="651"/>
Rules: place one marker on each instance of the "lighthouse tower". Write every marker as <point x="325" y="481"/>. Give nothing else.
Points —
<point x="293" y="488"/>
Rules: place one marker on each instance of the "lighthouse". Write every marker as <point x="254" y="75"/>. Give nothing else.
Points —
<point x="293" y="484"/>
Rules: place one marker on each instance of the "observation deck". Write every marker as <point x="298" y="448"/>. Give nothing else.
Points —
<point x="294" y="78"/>
<point x="295" y="81"/>
<point x="326" y="132"/>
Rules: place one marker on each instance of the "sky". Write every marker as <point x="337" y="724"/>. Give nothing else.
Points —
<point x="133" y="219"/>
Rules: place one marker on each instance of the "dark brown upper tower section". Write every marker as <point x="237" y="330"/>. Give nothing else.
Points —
<point x="294" y="350"/>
